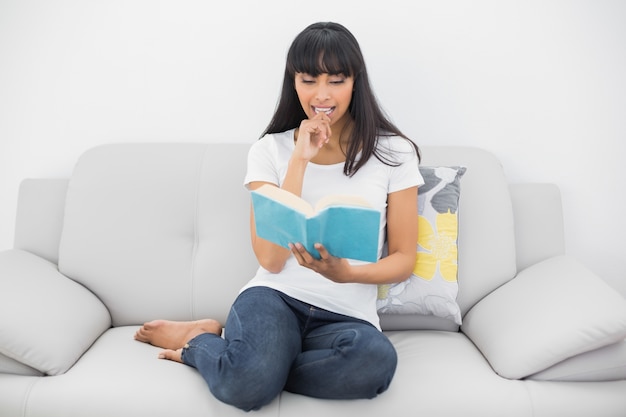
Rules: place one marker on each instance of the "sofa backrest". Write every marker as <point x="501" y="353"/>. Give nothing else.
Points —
<point x="39" y="220"/>
<point x="162" y="230"/>
<point x="159" y="230"/>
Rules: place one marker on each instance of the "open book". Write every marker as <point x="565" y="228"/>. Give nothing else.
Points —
<point x="346" y="225"/>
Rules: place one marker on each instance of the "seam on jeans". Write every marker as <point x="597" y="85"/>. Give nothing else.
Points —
<point x="309" y="318"/>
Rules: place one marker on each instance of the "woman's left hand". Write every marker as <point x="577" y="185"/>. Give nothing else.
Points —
<point x="333" y="268"/>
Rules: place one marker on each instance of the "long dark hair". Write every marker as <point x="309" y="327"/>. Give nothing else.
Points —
<point x="329" y="48"/>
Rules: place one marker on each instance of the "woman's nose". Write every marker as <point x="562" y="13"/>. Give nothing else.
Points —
<point x="323" y="92"/>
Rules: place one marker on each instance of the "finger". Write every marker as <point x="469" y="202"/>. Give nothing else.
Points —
<point x="306" y="256"/>
<point x="296" y="254"/>
<point x="328" y="134"/>
<point x="318" y="135"/>
<point x="321" y="116"/>
<point x="324" y="126"/>
<point x="313" y="129"/>
<point x="322" y="250"/>
<point x="319" y="128"/>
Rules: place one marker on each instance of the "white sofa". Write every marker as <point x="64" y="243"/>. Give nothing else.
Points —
<point x="145" y="231"/>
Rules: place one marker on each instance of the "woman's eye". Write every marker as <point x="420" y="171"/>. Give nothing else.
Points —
<point x="337" y="79"/>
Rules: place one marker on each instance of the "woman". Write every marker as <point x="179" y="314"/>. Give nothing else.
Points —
<point x="307" y="325"/>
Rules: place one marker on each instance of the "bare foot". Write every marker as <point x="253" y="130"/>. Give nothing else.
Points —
<point x="172" y="355"/>
<point x="174" y="335"/>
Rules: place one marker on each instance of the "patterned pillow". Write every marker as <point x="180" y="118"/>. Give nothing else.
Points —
<point x="432" y="288"/>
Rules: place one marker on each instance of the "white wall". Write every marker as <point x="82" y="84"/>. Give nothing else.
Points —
<point x="539" y="83"/>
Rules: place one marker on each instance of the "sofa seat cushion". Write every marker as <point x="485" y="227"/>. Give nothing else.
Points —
<point x="550" y="312"/>
<point x="15" y="391"/>
<point x="443" y="374"/>
<point x="47" y="321"/>
<point x="577" y="399"/>
<point x="439" y="373"/>
<point x="136" y="382"/>
<point x="120" y="376"/>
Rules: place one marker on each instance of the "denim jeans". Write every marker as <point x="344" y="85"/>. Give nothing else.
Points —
<point x="273" y="342"/>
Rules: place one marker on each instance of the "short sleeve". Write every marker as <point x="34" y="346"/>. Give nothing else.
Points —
<point x="406" y="174"/>
<point x="262" y="162"/>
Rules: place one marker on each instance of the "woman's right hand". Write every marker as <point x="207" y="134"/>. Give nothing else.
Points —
<point x="313" y="134"/>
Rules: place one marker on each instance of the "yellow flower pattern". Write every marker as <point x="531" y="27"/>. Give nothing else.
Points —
<point x="433" y="287"/>
<point x="437" y="247"/>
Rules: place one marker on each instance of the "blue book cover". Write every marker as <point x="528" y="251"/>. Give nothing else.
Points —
<point x="345" y="225"/>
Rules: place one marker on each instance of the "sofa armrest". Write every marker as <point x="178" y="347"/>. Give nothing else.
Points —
<point x="549" y="312"/>
<point x="47" y="321"/>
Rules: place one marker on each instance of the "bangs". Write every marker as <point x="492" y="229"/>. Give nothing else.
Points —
<point x="324" y="51"/>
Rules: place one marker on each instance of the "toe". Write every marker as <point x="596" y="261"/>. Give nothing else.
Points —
<point x="140" y="335"/>
<point x="172" y="355"/>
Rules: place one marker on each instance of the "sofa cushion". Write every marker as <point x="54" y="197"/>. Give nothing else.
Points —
<point x="47" y="321"/>
<point x="439" y="374"/>
<point x="604" y="364"/>
<point x="120" y="376"/>
<point x="159" y="230"/>
<point x="550" y="312"/>
<point x="432" y="288"/>
<point x="11" y="366"/>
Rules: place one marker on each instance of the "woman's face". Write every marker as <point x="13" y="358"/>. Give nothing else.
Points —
<point x="326" y="93"/>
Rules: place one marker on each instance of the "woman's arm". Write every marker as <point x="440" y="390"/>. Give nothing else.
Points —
<point x="401" y="239"/>
<point x="312" y="135"/>
<point x="270" y="255"/>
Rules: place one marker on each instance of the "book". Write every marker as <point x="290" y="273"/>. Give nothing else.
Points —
<point x="346" y="225"/>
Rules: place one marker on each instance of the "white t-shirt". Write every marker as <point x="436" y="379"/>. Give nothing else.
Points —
<point x="267" y="161"/>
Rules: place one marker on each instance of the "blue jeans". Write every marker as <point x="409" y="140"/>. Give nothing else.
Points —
<point x="273" y="342"/>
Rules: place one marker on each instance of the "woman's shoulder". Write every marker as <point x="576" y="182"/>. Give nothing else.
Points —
<point x="395" y="142"/>
<point x="274" y="144"/>
<point x="281" y="139"/>
<point x="397" y="145"/>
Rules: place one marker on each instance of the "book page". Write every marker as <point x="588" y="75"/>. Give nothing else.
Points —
<point x="286" y="198"/>
<point x="341" y="200"/>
